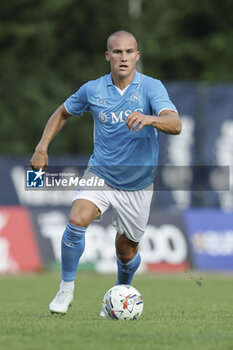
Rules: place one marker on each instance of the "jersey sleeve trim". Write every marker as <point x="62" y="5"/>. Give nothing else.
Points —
<point x="67" y="110"/>
<point x="77" y="103"/>
<point x="169" y="108"/>
<point x="76" y="115"/>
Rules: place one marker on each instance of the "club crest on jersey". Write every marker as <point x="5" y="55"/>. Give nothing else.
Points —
<point x="103" y="117"/>
<point x="135" y="97"/>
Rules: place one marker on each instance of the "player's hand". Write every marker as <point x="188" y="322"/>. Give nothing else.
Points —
<point x="137" y="120"/>
<point x="39" y="160"/>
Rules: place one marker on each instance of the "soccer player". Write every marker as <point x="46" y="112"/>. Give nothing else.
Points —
<point x="129" y="109"/>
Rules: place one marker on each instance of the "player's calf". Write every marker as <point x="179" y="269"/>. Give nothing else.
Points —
<point x="128" y="259"/>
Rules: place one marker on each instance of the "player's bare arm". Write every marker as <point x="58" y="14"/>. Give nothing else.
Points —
<point x="55" y="123"/>
<point x="168" y="121"/>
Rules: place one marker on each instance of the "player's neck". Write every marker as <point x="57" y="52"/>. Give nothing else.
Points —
<point x="120" y="82"/>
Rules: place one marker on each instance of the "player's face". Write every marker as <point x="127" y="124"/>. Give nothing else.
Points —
<point x="123" y="55"/>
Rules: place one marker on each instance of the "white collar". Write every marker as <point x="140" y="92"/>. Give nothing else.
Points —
<point x="121" y="92"/>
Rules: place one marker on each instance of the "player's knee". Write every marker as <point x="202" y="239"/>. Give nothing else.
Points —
<point x="81" y="220"/>
<point x="83" y="213"/>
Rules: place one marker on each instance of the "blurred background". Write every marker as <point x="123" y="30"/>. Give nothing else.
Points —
<point x="49" y="48"/>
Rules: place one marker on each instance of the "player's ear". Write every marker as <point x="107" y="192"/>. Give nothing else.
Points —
<point x="138" y="56"/>
<point x="107" y="56"/>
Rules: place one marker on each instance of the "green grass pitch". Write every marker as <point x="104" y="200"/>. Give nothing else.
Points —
<point x="185" y="311"/>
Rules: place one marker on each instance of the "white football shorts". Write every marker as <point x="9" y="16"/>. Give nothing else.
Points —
<point x="130" y="208"/>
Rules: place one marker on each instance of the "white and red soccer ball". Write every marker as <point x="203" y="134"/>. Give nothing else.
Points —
<point x="122" y="302"/>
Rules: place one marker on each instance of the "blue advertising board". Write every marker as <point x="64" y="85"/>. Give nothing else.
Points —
<point x="210" y="236"/>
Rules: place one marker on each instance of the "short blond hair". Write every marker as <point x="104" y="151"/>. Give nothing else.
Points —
<point x="120" y="33"/>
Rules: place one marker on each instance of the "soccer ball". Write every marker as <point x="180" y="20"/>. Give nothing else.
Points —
<point x="122" y="302"/>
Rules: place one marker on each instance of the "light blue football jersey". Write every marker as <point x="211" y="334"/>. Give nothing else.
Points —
<point x="125" y="159"/>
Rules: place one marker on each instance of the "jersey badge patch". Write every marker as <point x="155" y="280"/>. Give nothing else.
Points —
<point x="103" y="117"/>
<point x="135" y="97"/>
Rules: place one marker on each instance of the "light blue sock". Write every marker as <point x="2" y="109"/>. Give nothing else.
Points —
<point x="73" y="244"/>
<point x="127" y="270"/>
